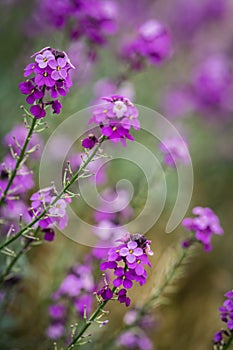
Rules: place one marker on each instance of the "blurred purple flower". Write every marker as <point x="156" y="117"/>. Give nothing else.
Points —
<point x="204" y="226"/>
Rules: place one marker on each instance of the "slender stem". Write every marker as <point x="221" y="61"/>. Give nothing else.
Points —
<point x="20" y="158"/>
<point x="16" y="258"/>
<point x="167" y="281"/>
<point x="14" y="261"/>
<point x="229" y="342"/>
<point x="88" y="323"/>
<point x="62" y="192"/>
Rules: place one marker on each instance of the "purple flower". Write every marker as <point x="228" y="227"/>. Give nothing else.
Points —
<point x="204" y="226"/>
<point x="29" y="69"/>
<point x="122" y="297"/>
<point x="49" y="234"/>
<point x="127" y="261"/>
<point x="131" y="252"/>
<point x="106" y="293"/>
<point x="132" y="339"/>
<point x="89" y="142"/>
<point x="56" y="106"/>
<point x="152" y="43"/>
<point x="59" y="68"/>
<point x="55" y="215"/>
<point x="226" y="315"/>
<point x="55" y="331"/>
<point x="115" y="118"/>
<point x="50" y="76"/>
<point x="57" y="311"/>
<point x="123" y="278"/>
<point x="43" y="58"/>
<point x="175" y="151"/>
<point x="38" y="111"/>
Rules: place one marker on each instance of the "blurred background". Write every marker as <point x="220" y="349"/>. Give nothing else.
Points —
<point x="192" y="88"/>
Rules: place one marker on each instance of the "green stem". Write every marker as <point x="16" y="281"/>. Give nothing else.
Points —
<point x="20" y="159"/>
<point x="62" y="192"/>
<point x="167" y="281"/>
<point x="88" y="323"/>
<point x="16" y="258"/>
<point x="226" y="346"/>
<point x="14" y="261"/>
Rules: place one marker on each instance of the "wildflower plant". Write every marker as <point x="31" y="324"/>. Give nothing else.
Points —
<point x="121" y="258"/>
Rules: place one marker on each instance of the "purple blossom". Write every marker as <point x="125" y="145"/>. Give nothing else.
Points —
<point x="106" y="293"/>
<point x="55" y="215"/>
<point x="50" y="72"/>
<point x="123" y="278"/>
<point x="175" y="151"/>
<point x="152" y="43"/>
<point x="56" y="106"/>
<point x="121" y="258"/>
<point x="57" y="311"/>
<point x="134" y="340"/>
<point x="92" y="20"/>
<point x="204" y="226"/>
<point x="43" y="59"/>
<point x="122" y="297"/>
<point x="131" y="252"/>
<point x="55" y="331"/>
<point x="115" y="118"/>
<point x="89" y="142"/>
<point x="38" y="111"/>
<point x="226" y="315"/>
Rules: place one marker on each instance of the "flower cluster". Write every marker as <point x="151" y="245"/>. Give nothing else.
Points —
<point x="153" y="43"/>
<point x="128" y="261"/>
<point x="77" y="288"/>
<point x="138" y="325"/>
<point x="175" y="151"/>
<point x="93" y="20"/>
<point x="226" y="315"/>
<point x="204" y="226"/>
<point x="115" y="118"/>
<point x="50" y="74"/>
<point x="56" y="215"/>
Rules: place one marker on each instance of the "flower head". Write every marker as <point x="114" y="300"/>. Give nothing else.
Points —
<point x="115" y="118"/>
<point x="49" y="73"/>
<point x="226" y="315"/>
<point x="204" y="226"/>
<point x="128" y="260"/>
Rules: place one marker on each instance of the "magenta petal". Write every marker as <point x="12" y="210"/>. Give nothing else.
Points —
<point x="127" y="284"/>
<point x="63" y="73"/>
<point x="117" y="282"/>
<point x="130" y="258"/>
<point x="138" y="251"/>
<point x="52" y="64"/>
<point x="132" y="245"/>
<point x="119" y="272"/>
<point x="124" y="251"/>
<point x="139" y="270"/>
<point x="55" y="75"/>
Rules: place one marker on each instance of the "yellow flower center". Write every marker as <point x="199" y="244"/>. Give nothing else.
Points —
<point x="45" y="59"/>
<point x="139" y="262"/>
<point x="131" y="251"/>
<point x="114" y="128"/>
<point x="58" y="68"/>
<point x="45" y="74"/>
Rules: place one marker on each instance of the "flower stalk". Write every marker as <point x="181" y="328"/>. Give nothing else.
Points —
<point x="20" y="159"/>
<point x="59" y="195"/>
<point x="88" y="323"/>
